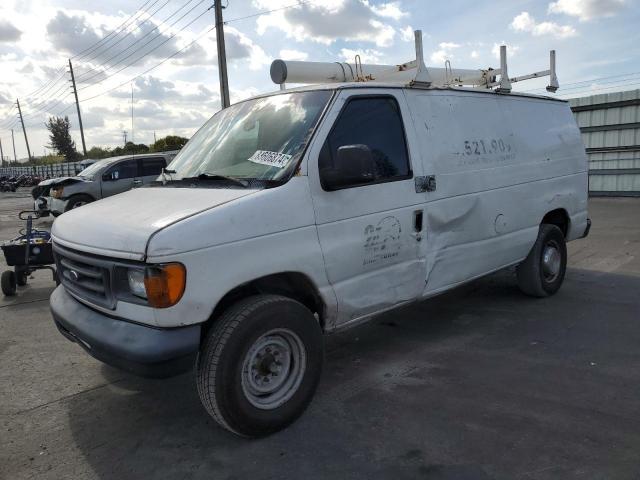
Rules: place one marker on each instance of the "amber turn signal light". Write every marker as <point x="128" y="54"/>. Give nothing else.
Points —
<point x="165" y="284"/>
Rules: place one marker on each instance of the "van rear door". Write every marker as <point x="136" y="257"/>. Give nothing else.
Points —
<point x="369" y="223"/>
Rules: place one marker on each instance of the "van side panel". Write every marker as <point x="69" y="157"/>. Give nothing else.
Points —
<point x="501" y="162"/>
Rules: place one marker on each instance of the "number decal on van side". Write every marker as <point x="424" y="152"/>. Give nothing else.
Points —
<point x="492" y="146"/>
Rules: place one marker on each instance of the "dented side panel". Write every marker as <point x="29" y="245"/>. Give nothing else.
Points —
<point x="501" y="164"/>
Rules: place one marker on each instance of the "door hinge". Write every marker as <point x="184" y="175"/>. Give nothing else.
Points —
<point x="425" y="184"/>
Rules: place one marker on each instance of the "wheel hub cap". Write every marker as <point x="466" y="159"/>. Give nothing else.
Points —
<point x="273" y="369"/>
<point x="551" y="260"/>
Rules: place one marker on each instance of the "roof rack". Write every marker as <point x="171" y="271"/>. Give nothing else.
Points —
<point x="414" y="73"/>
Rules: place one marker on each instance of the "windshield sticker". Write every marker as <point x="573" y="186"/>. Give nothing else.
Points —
<point x="272" y="159"/>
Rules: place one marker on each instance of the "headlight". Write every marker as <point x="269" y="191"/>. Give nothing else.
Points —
<point x="56" y="192"/>
<point x="162" y="285"/>
<point x="135" y="277"/>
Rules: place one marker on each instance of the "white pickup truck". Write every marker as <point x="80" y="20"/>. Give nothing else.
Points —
<point x="291" y="215"/>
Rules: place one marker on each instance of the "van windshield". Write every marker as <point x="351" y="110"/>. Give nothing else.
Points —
<point x="257" y="139"/>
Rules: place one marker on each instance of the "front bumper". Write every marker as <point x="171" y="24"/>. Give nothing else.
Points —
<point x="57" y="205"/>
<point x="139" y="349"/>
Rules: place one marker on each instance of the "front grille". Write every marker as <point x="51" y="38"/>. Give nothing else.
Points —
<point x="87" y="277"/>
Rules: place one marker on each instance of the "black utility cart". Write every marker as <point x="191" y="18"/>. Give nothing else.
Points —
<point x="28" y="252"/>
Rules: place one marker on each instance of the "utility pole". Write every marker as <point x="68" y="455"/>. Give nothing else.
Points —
<point x="24" y="130"/>
<point x="75" y="93"/>
<point x="15" y="158"/>
<point x="154" y="137"/>
<point x="124" y="135"/>
<point x="1" y="154"/>
<point x="222" y="56"/>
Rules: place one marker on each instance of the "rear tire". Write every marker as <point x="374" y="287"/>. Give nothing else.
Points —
<point x="8" y="283"/>
<point x="542" y="272"/>
<point x="260" y="364"/>
<point x="77" y="201"/>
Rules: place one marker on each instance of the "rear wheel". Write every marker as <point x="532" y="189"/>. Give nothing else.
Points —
<point x="260" y="364"/>
<point x="77" y="201"/>
<point x="8" y="283"/>
<point x="542" y="272"/>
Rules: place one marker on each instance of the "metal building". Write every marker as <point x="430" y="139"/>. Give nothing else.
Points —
<point x="610" y="126"/>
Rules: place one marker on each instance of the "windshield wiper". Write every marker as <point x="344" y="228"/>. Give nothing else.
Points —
<point x="216" y="176"/>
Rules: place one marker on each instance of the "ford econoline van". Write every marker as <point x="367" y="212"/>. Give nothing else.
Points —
<point x="299" y="213"/>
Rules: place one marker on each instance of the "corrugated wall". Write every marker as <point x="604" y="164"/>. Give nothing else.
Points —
<point x="610" y="126"/>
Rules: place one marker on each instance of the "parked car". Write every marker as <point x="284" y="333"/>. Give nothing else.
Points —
<point x="103" y="178"/>
<point x="303" y="212"/>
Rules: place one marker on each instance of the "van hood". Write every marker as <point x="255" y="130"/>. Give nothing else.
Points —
<point x="121" y="226"/>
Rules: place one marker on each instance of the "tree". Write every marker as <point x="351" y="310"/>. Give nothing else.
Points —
<point x="96" y="153"/>
<point x="170" y="142"/>
<point x="130" y="148"/>
<point x="60" y="138"/>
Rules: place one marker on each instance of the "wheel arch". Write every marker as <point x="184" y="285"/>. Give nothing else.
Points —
<point x="560" y="218"/>
<point x="295" y="285"/>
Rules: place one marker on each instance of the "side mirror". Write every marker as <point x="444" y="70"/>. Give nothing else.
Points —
<point x="354" y="165"/>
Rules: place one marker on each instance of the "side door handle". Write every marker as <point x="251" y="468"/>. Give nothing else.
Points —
<point x="418" y="216"/>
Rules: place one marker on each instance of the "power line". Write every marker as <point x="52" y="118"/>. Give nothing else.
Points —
<point x="563" y="86"/>
<point x="589" y="90"/>
<point x="42" y="104"/>
<point x="150" y="69"/>
<point x="198" y="37"/>
<point x="117" y="30"/>
<point x="266" y="12"/>
<point x="147" y="53"/>
<point x="129" y="32"/>
<point x="82" y="78"/>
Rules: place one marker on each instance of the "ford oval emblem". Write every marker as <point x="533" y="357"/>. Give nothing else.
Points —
<point x="75" y="276"/>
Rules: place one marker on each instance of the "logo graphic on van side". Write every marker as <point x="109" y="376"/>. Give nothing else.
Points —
<point x="382" y="241"/>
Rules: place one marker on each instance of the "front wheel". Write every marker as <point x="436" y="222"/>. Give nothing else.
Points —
<point x="542" y="272"/>
<point x="260" y="364"/>
<point x="8" y="283"/>
<point x="77" y="201"/>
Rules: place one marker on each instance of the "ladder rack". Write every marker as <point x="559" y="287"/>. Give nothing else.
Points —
<point x="412" y="73"/>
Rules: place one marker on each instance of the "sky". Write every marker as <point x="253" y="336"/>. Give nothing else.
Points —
<point x="164" y="51"/>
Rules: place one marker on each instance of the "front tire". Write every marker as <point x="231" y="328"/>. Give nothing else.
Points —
<point x="260" y="364"/>
<point x="542" y="272"/>
<point x="8" y="283"/>
<point x="77" y="201"/>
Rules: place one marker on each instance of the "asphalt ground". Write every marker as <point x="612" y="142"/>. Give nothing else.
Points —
<point x="478" y="383"/>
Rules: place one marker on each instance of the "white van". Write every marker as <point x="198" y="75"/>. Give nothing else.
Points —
<point x="291" y="215"/>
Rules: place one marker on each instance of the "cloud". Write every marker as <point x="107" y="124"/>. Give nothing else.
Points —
<point x="587" y="9"/>
<point x="366" y="56"/>
<point x="287" y="54"/>
<point x="444" y="53"/>
<point x="406" y="34"/>
<point x="391" y="10"/>
<point x="331" y="20"/>
<point x="8" y="33"/>
<point x="512" y="50"/>
<point x="526" y="23"/>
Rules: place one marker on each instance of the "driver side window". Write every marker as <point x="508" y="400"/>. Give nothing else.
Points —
<point x="126" y="169"/>
<point x="366" y="145"/>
